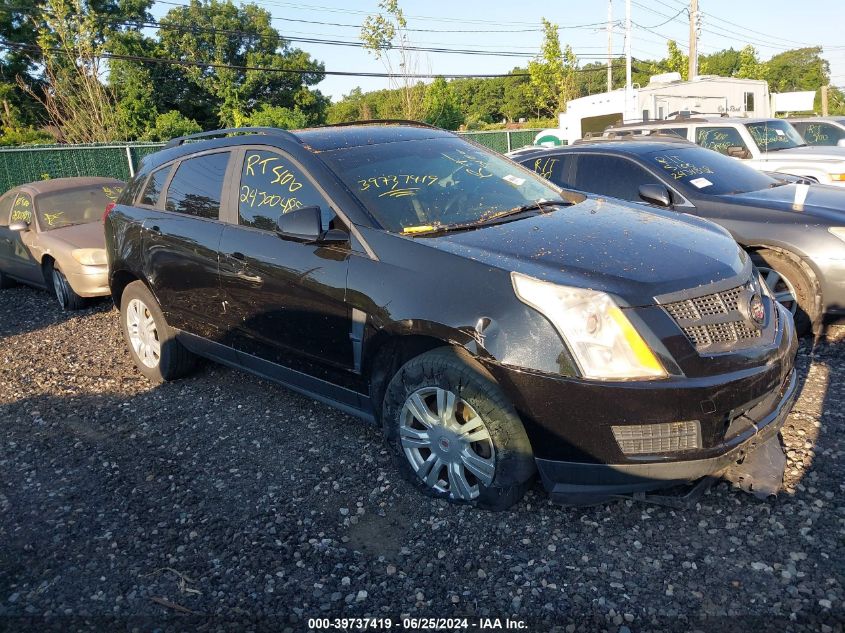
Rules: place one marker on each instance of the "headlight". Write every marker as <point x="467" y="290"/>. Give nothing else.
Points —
<point x="90" y="256"/>
<point x="838" y="231"/>
<point x="602" y="340"/>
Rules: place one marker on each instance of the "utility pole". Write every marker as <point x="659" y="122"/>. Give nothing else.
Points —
<point x="609" y="45"/>
<point x="693" y="39"/>
<point x="824" y="100"/>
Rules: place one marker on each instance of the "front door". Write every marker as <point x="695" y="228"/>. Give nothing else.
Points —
<point x="285" y="299"/>
<point x="15" y="257"/>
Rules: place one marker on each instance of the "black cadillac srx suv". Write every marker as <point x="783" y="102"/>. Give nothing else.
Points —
<point x="494" y="324"/>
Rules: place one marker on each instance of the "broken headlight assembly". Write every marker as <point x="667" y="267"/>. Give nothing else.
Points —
<point x="600" y="337"/>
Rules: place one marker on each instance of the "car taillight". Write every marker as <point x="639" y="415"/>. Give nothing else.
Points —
<point x="109" y="207"/>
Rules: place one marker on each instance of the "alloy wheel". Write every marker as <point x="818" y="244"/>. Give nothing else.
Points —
<point x="781" y="288"/>
<point x="60" y="287"/>
<point x="447" y="443"/>
<point x="143" y="333"/>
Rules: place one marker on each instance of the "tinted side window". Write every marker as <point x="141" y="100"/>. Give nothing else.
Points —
<point x="820" y="133"/>
<point x="555" y="168"/>
<point x="5" y="208"/>
<point x="154" y="186"/>
<point x="197" y="186"/>
<point x="22" y="209"/>
<point x="611" y="176"/>
<point x="272" y="185"/>
<point x="719" y="139"/>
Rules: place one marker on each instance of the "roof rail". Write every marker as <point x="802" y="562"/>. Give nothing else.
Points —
<point x="382" y="121"/>
<point x="270" y="131"/>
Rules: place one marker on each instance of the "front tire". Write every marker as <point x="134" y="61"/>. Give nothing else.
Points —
<point x="64" y="294"/>
<point x="790" y="286"/>
<point x="455" y="434"/>
<point x="152" y="343"/>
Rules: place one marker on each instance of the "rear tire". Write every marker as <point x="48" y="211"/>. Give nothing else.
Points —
<point x="790" y="285"/>
<point x="152" y="343"/>
<point x="455" y="434"/>
<point x="64" y="294"/>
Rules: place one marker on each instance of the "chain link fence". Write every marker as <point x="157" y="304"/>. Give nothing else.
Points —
<point x="19" y="165"/>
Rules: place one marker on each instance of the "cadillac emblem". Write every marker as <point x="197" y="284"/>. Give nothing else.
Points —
<point x="756" y="310"/>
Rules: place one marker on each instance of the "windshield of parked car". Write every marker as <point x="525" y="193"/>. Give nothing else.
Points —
<point x="696" y="171"/>
<point x="774" y="135"/>
<point x="75" y="206"/>
<point x="417" y="186"/>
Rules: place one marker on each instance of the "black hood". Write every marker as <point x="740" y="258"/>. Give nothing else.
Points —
<point x="823" y="202"/>
<point x="635" y="253"/>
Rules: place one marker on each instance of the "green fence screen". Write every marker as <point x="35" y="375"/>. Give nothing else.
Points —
<point x="20" y="165"/>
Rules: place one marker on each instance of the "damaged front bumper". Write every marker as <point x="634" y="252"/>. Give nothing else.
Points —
<point x="579" y="483"/>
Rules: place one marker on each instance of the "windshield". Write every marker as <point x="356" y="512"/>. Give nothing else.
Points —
<point x="415" y="186"/>
<point x="697" y="171"/>
<point x="774" y="135"/>
<point x="76" y="206"/>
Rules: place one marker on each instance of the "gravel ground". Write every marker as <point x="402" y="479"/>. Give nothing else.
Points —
<point x="223" y="502"/>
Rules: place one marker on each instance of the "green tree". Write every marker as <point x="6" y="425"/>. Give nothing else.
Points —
<point x="220" y="33"/>
<point x="798" y="69"/>
<point x="552" y="74"/>
<point x="749" y="66"/>
<point x="440" y="105"/>
<point x="724" y="63"/>
<point x="676" y="61"/>
<point x="278" y="116"/>
<point x="385" y="36"/>
<point x="170" y="125"/>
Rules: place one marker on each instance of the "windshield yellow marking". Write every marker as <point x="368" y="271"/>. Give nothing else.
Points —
<point x="679" y="168"/>
<point x="51" y="218"/>
<point x="418" y="229"/>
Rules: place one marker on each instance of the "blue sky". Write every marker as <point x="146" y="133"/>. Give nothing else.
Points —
<point x="771" y="26"/>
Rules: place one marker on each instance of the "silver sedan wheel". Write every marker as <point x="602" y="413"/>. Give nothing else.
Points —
<point x="60" y="287"/>
<point x="781" y="288"/>
<point x="143" y="334"/>
<point x="447" y="443"/>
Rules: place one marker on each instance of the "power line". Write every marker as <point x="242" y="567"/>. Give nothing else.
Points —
<point x="300" y="71"/>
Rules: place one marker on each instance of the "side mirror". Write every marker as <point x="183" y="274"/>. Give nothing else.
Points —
<point x="20" y="227"/>
<point x="735" y="151"/>
<point x="656" y="194"/>
<point x="304" y="224"/>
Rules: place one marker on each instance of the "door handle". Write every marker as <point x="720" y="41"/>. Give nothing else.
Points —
<point x="154" y="229"/>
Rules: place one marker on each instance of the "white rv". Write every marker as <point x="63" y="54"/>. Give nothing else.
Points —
<point x="664" y="96"/>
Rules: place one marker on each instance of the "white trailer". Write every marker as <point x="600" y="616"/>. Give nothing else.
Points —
<point x="664" y="96"/>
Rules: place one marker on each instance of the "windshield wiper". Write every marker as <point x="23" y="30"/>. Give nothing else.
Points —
<point x="492" y="219"/>
<point x="537" y="205"/>
<point x="777" y="149"/>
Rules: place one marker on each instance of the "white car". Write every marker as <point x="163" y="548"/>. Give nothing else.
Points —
<point x="771" y="145"/>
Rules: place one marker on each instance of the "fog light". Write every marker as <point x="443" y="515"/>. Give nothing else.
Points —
<point x="658" y="438"/>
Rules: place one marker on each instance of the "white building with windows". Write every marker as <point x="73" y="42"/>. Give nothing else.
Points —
<point x="665" y="96"/>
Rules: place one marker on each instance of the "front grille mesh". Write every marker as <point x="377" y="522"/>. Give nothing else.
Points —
<point x="705" y="335"/>
<point x="647" y="439"/>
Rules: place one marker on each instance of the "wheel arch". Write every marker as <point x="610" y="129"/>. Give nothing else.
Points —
<point x="387" y="350"/>
<point x="803" y="262"/>
<point x="118" y="280"/>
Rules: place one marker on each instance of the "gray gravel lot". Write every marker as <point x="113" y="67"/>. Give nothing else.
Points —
<point x="223" y="502"/>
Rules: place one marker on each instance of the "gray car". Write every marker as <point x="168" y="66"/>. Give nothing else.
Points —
<point x="795" y="232"/>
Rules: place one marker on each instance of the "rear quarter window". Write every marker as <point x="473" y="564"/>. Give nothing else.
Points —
<point x="152" y="191"/>
<point x="5" y="208"/>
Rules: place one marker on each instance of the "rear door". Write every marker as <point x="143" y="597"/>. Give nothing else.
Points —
<point x="285" y="299"/>
<point x="181" y="239"/>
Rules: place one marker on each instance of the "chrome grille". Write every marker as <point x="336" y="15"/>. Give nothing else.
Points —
<point x="714" y="320"/>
